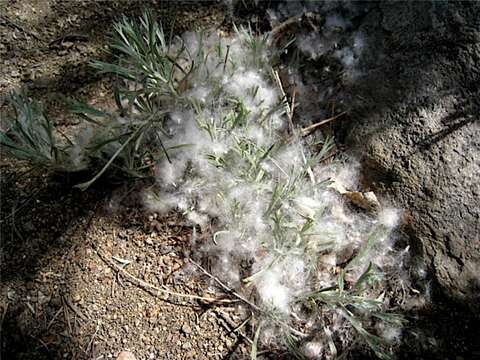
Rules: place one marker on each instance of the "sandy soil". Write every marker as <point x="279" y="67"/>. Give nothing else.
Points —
<point x="63" y="295"/>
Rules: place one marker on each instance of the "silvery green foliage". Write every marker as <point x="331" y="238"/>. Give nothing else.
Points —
<point x="205" y="115"/>
<point x="31" y="135"/>
<point x="261" y="195"/>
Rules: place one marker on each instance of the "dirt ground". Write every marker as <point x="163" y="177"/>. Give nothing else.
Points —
<point x="60" y="295"/>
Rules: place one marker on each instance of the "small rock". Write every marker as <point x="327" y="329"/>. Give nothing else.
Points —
<point x="126" y="355"/>
<point x="186" y="329"/>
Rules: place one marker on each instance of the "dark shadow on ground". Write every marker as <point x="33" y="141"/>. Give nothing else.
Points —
<point x="38" y="215"/>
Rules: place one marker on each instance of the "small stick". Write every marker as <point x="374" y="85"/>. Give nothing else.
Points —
<point x="226" y="58"/>
<point x="334" y="152"/>
<point x="4" y="313"/>
<point x="292" y="110"/>
<point x="75" y="309"/>
<point x="41" y="342"/>
<point x="309" y="129"/>
<point x="248" y="302"/>
<point x="239" y="327"/>
<point x="18" y="27"/>
<point x="112" y="290"/>
<point x="16" y="209"/>
<point x="90" y="343"/>
<point x="232" y="328"/>
<point x="284" y="95"/>
<point x="53" y="319"/>
<point x="66" y="316"/>
<point x="149" y="287"/>
<point x="69" y="37"/>
<point x="30" y="307"/>
<point x="225" y="287"/>
<point x="277" y="31"/>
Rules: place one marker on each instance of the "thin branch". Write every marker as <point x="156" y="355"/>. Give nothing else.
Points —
<point x="309" y="129"/>
<point x="284" y="95"/>
<point x="292" y="108"/>
<point x="75" y="309"/>
<point x="19" y="27"/>
<point x="248" y="302"/>
<point x="68" y="37"/>
<point x="226" y="58"/>
<point x="232" y="327"/>
<point x="152" y="288"/>
<point x="226" y="288"/>
<point x="16" y="209"/>
<point x="332" y="154"/>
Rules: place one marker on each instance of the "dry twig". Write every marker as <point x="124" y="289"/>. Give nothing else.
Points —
<point x="226" y="288"/>
<point x="246" y="301"/>
<point x="231" y="327"/>
<point x="155" y="290"/>
<point x="75" y="309"/>
<point x="309" y="129"/>
<point x="19" y="27"/>
<point x="284" y="95"/>
<point x="50" y="323"/>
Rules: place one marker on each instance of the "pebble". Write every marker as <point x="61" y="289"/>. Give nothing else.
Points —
<point x="126" y="355"/>
<point x="186" y="329"/>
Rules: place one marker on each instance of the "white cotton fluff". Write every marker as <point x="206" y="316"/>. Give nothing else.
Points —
<point x="162" y="203"/>
<point x="77" y="153"/>
<point x="307" y="206"/>
<point x="389" y="217"/>
<point x="313" y="45"/>
<point x="199" y="93"/>
<point x="245" y="81"/>
<point x="390" y="333"/>
<point x="197" y="218"/>
<point x="215" y="188"/>
<point x="272" y="292"/>
<point x="170" y="173"/>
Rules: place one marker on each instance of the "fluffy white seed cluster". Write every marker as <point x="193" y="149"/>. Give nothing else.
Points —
<point x="259" y="197"/>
